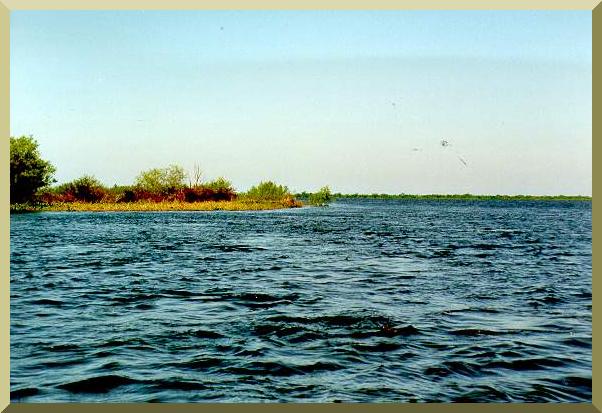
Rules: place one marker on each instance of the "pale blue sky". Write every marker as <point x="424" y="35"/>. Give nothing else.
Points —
<point x="357" y="100"/>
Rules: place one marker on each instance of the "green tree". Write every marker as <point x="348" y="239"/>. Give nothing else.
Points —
<point x="28" y="171"/>
<point x="174" y="176"/>
<point x="321" y="198"/>
<point x="219" y="184"/>
<point x="161" y="180"/>
<point x="268" y="191"/>
<point x="151" y="180"/>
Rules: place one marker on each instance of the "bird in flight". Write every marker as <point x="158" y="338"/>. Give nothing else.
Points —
<point x="444" y="144"/>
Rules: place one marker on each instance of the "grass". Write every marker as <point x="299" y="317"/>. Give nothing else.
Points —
<point x="236" y="205"/>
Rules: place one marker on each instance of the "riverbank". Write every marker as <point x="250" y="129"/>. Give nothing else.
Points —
<point x="236" y="205"/>
<point x="466" y="197"/>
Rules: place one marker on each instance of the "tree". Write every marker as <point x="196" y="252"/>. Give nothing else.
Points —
<point x="86" y="189"/>
<point x="174" y="177"/>
<point x="195" y="176"/>
<point x="268" y="191"/>
<point x="28" y="171"/>
<point x="219" y="184"/>
<point x="321" y="198"/>
<point x="161" y="181"/>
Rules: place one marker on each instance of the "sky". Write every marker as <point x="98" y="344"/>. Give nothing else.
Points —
<point x="357" y="100"/>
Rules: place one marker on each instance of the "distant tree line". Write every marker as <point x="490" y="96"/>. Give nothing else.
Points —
<point x="467" y="197"/>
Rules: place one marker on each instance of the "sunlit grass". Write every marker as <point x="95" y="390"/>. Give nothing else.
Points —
<point x="236" y="205"/>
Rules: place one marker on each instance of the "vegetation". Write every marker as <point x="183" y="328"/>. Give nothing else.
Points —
<point x="28" y="171"/>
<point x="236" y="205"/>
<point x="194" y="178"/>
<point x="161" y="181"/>
<point x="85" y="189"/>
<point x="220" y="184"/>
<point x="321" y="198"/>
<point x="469" y="197"/>
<point x="163" y="189"/>
<point x="157" y="189"/>
<point x="268" y="191"/>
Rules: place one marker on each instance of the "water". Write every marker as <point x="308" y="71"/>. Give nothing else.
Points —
<point x="367" y="300"/>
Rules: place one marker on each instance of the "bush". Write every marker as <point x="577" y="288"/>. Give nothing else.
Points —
<point x="161" y="181"/>
<point x="268" y="191"/>
<point x="321" y="198"/>
<point x="127" y="195"/>
<point x="28" y="171"/>
<point x="220" y="184"/>
<point x="217" y="190"/>
<point x="221" y="189"/>
<point x="87" y="189"/>
<point x="203" y="193"/>
<point x="84" y="189"/>
<point x="120" y="193"/>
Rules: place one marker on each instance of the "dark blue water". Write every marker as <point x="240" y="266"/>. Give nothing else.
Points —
<point x="366" y="300"/>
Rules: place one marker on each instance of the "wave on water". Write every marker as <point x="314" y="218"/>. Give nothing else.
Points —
<point x="363" y="301"/>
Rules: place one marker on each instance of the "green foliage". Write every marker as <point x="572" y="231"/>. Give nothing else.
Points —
<point x="87" y="189"/>
<point x="161" y="181"/>
<point x="321" y="198"/>
<point x="268" y="191"/>
<point x="28" y="171"/>
<point x="151" y="180"/>
<point x="220" y="184"/>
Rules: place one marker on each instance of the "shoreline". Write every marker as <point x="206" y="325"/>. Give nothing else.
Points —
<point x="247" y="205"/>
<point x="464" y="197"/>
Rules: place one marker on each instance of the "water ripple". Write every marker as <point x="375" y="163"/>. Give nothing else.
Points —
<point x="367" y="300"/>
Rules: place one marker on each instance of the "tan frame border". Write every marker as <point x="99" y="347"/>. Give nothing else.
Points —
<point x="7" y="5"/>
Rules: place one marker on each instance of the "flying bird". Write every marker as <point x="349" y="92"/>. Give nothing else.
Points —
<point x="444" y="144"/>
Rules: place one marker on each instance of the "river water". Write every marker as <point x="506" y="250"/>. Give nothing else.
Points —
<point x="363" y="301"/>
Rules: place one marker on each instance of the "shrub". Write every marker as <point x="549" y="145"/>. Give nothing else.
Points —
<point x="201" y="194"/>
<point x="85" y="189"/>
<point x="28" y="171"/>
<point x="218" y="190"/>
<point x="221" y="189"/>
<point x="120" y="193"/>
<point x="127" y="196"/>
<point x="219" y="184"/>
<point x="196" y="194"/>
<point x="268" y="191"/>
<point x="161" y="181"/>
<point x="321" y="198"/>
